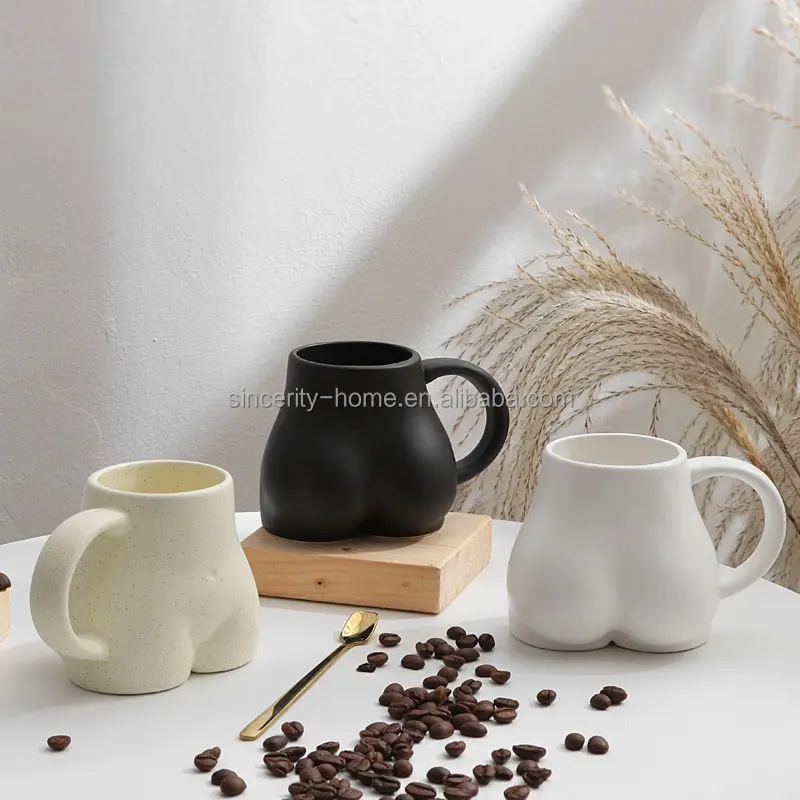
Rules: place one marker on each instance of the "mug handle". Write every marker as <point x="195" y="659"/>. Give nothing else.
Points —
<point x="497" y="417"/>
<point x="53" y="574"/>
<point x="769" y="546"/>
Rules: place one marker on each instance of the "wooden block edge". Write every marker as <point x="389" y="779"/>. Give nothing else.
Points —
<point x="5" y="614"/>
<point x="478" y="551"/>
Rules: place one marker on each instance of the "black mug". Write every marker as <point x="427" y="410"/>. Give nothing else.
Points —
<point x="357" y="448"/>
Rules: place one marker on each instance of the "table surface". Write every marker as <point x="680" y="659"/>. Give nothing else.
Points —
<point x="716" y="722"/>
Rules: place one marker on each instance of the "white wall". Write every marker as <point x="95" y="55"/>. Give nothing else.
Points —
<point x="190" y="189"/>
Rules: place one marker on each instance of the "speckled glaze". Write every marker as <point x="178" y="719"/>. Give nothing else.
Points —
<point x="148" y="582"/>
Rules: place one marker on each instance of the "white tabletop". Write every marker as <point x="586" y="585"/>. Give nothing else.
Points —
<point x="717" y="722"/>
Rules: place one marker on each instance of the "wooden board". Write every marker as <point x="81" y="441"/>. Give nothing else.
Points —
<point x="5" y="613"/>
<point x="425" y="573"/>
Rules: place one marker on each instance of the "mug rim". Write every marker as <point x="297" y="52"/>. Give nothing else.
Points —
<point x="679" y="454"/>
<point x="94" y="479"/>
<point x="411" y="355"/>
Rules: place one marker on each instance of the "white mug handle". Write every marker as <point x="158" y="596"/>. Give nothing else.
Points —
<point x="52" y="577"/>
<point x="769" y="545"/>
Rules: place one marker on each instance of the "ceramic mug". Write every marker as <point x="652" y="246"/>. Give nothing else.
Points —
<point x="614" y="548"/>
<point x="148" y="582"/>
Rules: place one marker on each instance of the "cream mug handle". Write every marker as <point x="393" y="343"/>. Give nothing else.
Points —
<point x="769" y="545"/>
<point x="53" y="574"/>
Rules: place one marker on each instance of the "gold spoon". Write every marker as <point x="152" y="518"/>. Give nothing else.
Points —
<point x="357" y="630"/>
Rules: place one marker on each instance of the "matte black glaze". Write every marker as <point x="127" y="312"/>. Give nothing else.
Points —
<point x="338" y="471"/>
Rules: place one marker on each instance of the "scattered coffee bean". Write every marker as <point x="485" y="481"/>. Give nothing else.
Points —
<point x="484" y="710"/>
<point x="417" y="694"/>
<point x="444" y="650"/>
<point x="503" y="773"/>
<point x="526" y="765"/>
<point x="382" y="768"/>
<point x="441" y="730"/>
<point x="412" y="661"/>
<point x="615" y="694"/>
<point x="303" y="763"/>
<point x="536" y="777"/>
<point x="469" y="640"/>
<point x="403" y="768"/>
<point x="420" y="791"/>
<point x="600" y="701"/>
<point x="436" y="641"/>
<point x="597" y="745"/>
<point x="416" y="736"/>
<point x="546" y="697"/>
<point x="486" y="641"/>
<point x="434" y="682"/>
<point x="504" y="716"/>
<point x="385" y="784"/>
<point x="389" y="640"/>
<point x="393" y="688"/>
<point x="232" y="786"/>
<point x="464" y="791"/>
<point x="402" y="752"/>
<point x="399" y="709"/>
<point x="456" y="779"/>
<point x="516" y="793"/>
<point x="365" y="667"/>
<point x="424" y="649"/>
<point x="378" y="659"/>
<point x="437" y="774"/>
<point x="501" y="756"/>
<point x="455" y="749"/>
<point x="456" y="632"/>
<point x="484" y="774"/>
<point x="459" y="708"/>
<point x="469" y="654"/>
<point x="506" y="702"/>
<point x="205" y="761"/>
<point x="471" y="683"/>
<point x="220" y="775"/>
<point x="331" y="747"/>
<point x="574" y="741"/>
<point x="310" y="775"/>
<point x="274" y="743"/>
<point x="278" y="766"/>
<point x="529" y="751"/>
<point x="485" y="670"/>
<point x="59" y="743"/>
<point x="349" y="793"/>
<point x="454" y="661"/>
<point x="214" y="751"/>
<point x="5" y="582"/>
<point x="461" y="719"/>
<point x="293" y="730"/>
<point x="500" y="676"/>
<point x="448" y="673"/>
<point x="403" y="796"/>
<point x="475" y="730"/>
<point x="327" y="771"/>
<point x="323" y="791"/>
<point x="293" y="753"/>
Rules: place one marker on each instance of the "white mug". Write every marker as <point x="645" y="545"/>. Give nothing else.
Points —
<point x="614" y="548"/>
<point x="148" y="582"/>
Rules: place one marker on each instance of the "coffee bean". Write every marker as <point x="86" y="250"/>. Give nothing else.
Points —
<point x="350" y="793"/>
<point x="214" y="751"/>
<point x="424" y="649"/>
<point x="358" y="765"/>
<point x="463" y="791"/>
<point x="440" y="693"/>
<point x="340" y="783"/>
<point x="485" y="670"/>
<point x="232" y="786"/>
<point x="456" y="632"/>
<point x="220" y="775"/>
<point x="403" y="768"/>
<point x="389" y="639"/>
<point x="420" y="791"/>
<point x="436" y="641"/>
<point x="448" y="673"/>
<point x="205" y="762"/>
<point x="443" y="650"/>
<point x="274" y="743"/>
<point x="458" y="708"/>
<point x="461" y="719"/>
<point x="615" y="694"/>
<point x="293" y="753"/>
<point x="597" y="745"/>
<point x="298" y="788"/>
<point x="5" y="582"/>
<point x="504" y="716"/>
<point x="546" y="697"/>
<point x="506" y="702"/>
<point x="309" y="775"/>
<point x="455" y="749"/>
<point x="484" y="774"/>
<point x="303" y="763"/>
<point x="516" y="793"/>
<point x="416" y="736"/>
<point x="382" y="768"/>
<point x="529" y="751"/>
<point x="600" y="701"/>
<point x="500" y="676"/>
<point x="415" y="725"/>
<point x="456" y="779"/>
<point x="536" y="777"/>
<point x="501" y="756"/>
<point x="417" y="693"/>
<point x="412" y="661"/>
<point x="469" y="654"/>
<point x="574" y="741"/>
<point x="437" y="774"/>
<point x="327" y="771"/>
<point x="484" y="710"/>
<point x="366" y="777"/>
<point x="59" y="743"/>
<point x="526" y="765"/>
<point x="331" y="747"/>
<point x="468" y="640"/>
<point x="323" y="791"/>
<point x="402" y="752"/>
<point x="474" y="730"/>
<point x="472" y="684"/>
<point x="454" y="661"/>
<point x="393" y="688"/>
<point x="387" y="698"/>
<point x="398" y="710"/>
<point x="365" y="667"/>
<point x="377" y="659"/>
<point x="486" y="642"/>
<point x="293" y="730"/>
<point x="441" y="730"/>
<point x="403" y="796"/>
<point x="279" y="767"/>
<point x="434" y="682"/>
<point x="503" y="773"/>
<point x="386" y="785"/>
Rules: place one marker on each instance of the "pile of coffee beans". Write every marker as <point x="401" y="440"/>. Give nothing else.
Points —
<point x="59" y="743"/>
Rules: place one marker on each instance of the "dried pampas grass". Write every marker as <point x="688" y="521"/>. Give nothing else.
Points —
<point x="584" y="320"/>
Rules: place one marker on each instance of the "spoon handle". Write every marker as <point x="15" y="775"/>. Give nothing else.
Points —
<point x="260" y="724"/>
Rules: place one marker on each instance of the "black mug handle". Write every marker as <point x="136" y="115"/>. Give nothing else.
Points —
<point x="497" y="418"/>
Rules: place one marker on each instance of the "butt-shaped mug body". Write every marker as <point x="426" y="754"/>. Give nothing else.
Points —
<point x="614" y="548"/>
<point x="358" y="448"/>
<point x="148" y="582"/>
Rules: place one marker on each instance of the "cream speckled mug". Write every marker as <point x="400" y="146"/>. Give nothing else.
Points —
<point x="148" y="582"/>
